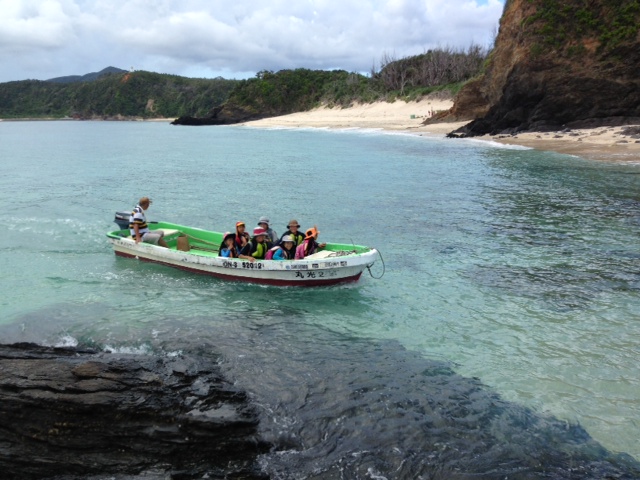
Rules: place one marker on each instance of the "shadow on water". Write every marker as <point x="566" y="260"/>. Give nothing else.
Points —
<point x="337" y="406"/>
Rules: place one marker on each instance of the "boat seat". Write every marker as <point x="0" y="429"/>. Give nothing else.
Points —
<point x="168" y="232"/>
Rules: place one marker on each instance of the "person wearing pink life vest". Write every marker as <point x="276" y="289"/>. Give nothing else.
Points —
<point x="285" y="251"/>
<point x="310" y="244"/>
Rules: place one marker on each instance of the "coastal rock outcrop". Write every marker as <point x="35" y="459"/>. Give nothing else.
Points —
<point x="556" y="65"/>
<point x="70" y="413"/>
<point x="226" y="114"/>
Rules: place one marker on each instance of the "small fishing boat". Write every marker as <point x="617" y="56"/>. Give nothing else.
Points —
<point x="196" y="250"/>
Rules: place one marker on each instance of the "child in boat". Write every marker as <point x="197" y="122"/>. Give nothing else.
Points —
<point x="272" y="236"/>
<point x="228" y="248"/>
<point x="242" y="237"/>
<point x="286" y="250"/>
<point x="258" y="246"/>
<point x="310" y="244"/>
<point x="293" y="231"/>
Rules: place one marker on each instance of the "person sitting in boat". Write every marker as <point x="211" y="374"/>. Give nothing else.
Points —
<point x="242" y="237"/>
<point x="139" y="228"/>
<point x="228" y="248"/>
<point x="258" y="246"/>
<point x="286" y="250"/>
<point x="272" y="236"/>
<point x="293" y="232"/>
<point x="310" y="244"/>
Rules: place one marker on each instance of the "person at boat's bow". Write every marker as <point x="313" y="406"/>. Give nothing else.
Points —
<point x="139" y="228"/>
<point x="310" y="244"/>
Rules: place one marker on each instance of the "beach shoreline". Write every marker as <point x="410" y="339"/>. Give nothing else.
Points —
<point x="609" y="144"/>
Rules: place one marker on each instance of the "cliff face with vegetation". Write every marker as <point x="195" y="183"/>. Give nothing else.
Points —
<point x="572" y="63"/>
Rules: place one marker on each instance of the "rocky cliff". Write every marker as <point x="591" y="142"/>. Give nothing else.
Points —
<point x="555" y="64"/>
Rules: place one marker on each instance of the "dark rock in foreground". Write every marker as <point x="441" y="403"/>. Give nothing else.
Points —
<point x="69" y="413"/>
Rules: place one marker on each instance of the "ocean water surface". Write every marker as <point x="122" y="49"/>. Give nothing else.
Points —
<point x="508" y="313"/>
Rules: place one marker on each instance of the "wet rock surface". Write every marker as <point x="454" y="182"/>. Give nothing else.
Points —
<point x="70" y="413"/>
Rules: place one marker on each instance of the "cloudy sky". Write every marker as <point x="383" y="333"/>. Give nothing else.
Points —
<point x="42" y="39"/>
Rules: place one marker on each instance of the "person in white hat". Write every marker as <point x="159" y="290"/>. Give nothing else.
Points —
<point x="271" y="234"/>
<point x="286" y="250"/>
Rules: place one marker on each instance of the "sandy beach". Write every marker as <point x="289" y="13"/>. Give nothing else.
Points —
<point x="614" y="144"/>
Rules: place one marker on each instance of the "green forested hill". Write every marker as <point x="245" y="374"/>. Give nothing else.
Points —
<point x="136" y="94"/>
<point x="153" y="95"/>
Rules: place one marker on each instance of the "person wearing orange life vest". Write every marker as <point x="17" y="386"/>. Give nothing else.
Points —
<point x="310" y="244"/>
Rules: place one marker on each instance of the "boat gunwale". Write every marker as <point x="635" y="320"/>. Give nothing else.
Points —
<point x="358" y="251"/>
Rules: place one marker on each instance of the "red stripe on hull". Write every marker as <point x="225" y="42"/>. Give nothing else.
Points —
<point x="262" y="281"/>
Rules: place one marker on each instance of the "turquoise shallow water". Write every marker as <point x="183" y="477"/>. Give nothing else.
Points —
<point x="518" y="267"/>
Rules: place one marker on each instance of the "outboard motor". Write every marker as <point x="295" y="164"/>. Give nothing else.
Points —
<point x="122" y="219"/>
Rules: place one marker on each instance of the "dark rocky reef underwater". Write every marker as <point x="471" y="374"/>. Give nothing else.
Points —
<point x="359" y="409"/>
<point x="69" y="413"/>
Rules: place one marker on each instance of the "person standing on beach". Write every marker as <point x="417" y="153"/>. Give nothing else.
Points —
<point x="139" y="228"/>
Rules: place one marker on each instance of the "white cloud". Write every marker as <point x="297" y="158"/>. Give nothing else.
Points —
<point x="47" y="38"/>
